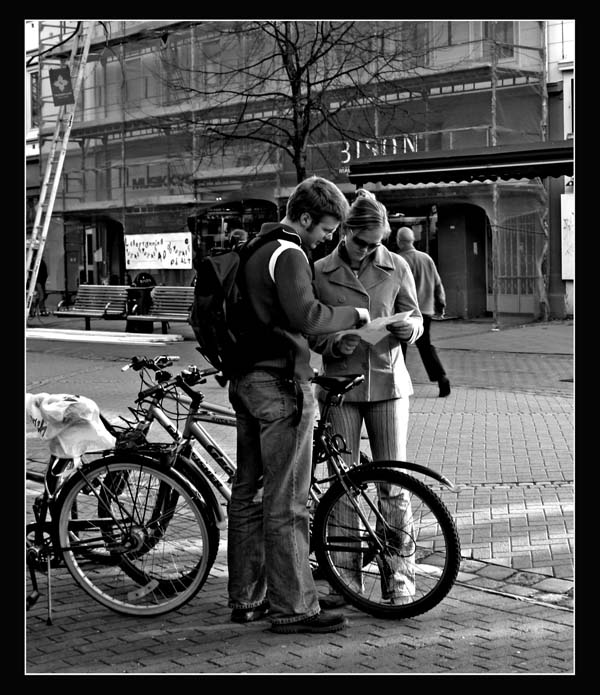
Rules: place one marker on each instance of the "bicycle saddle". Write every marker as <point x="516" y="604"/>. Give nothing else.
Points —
<point x="339" y="384"/>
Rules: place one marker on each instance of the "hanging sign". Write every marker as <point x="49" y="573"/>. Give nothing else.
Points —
<point x="145" y="251"/>
<point x="62" y="89"/>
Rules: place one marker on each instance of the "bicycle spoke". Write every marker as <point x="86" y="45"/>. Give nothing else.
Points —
<point x="386" y="542"/>
<point x="140" y="543"/>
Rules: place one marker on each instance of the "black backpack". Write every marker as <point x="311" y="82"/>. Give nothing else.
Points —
<point x="229" y="335"/>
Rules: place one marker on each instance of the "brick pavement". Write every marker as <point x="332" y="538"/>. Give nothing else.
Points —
<point x="486" y="625"/>
<point x="504" y="436"/>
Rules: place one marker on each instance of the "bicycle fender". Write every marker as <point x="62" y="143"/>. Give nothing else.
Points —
<point x="207" y="493"/>
<point x="198" y="485"/>
<point x="412" y="467"/>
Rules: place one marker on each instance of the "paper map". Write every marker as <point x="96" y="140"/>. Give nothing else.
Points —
<point x="376" y="330"/>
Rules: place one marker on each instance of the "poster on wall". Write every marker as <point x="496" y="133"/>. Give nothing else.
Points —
<point x="158" y="251"/>
<point x="567" y="215"/>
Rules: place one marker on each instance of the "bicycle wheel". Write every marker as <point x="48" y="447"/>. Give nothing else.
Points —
<point x="134" y="536"/>
<point x="391" y="548"/>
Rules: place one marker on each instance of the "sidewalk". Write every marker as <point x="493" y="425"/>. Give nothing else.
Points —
<point x="505" y="438"/>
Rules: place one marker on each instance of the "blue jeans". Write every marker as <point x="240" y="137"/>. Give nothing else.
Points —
<point x="268" y="532"/>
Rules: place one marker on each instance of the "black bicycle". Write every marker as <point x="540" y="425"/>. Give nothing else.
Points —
<point x="139" y="528"/>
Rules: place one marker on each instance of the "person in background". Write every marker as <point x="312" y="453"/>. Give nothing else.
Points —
<point x="361" y="271"/>
<point x="40" y="286"/>
<point x="432" y="300"/>
<point x="268" y="531"/>
<point x="237" y="237"/>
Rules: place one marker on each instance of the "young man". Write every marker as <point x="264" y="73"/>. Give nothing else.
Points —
<point x="432" y="300"/>
<point x="268" y="536"/>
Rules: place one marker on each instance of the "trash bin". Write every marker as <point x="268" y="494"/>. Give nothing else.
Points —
<point x="140" y="294"/>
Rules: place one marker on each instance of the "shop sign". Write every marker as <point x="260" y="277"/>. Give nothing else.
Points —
<point x="400" y="144"/>
<point x="62" y="89"/>
<point x="169" y="251"/>
<point x="161" y="181"/>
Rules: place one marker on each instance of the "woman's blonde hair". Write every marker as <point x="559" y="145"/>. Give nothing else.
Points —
<point x="366" y="212"/>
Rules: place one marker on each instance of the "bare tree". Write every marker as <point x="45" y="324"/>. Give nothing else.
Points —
<point x="291" y="84"/>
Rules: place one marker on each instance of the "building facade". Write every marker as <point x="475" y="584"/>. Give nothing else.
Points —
<point x="143" y="179"/>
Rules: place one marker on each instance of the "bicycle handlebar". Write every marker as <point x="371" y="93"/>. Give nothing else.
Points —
<point x="191" y="376"/>
<point x="155" y="364"/>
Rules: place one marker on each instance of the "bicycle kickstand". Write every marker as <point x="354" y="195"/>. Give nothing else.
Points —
<point x="49" y="619"/>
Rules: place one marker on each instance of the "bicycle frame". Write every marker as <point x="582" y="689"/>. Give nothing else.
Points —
<point x="187" y="463"/>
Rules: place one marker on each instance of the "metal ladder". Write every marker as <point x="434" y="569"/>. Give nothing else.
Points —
<point x="56" y="158"/>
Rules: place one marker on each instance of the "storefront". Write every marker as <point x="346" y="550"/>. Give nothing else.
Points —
<point x="485" y="215"/>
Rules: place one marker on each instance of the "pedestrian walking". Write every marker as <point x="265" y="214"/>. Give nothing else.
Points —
<point x="432" y="300"/>
<point x="362" y="271"/>
<point x="40" y="287"/>
<point x="268" y="531"/>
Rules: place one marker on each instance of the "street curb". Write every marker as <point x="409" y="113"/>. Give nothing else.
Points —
<point x="521" y="585"/>
<point x="101" y="336"/>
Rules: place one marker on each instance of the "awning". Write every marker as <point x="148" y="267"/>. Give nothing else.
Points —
<point x="238" y="199"/>
<point x="524" y="161"/>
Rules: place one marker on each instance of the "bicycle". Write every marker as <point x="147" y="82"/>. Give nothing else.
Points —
<point x="132" y="533"/>
<point x="368" y="546"/>
<point x="336" y="549"/>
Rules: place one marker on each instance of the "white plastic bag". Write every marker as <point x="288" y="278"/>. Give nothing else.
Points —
<point x="69" y="424"/>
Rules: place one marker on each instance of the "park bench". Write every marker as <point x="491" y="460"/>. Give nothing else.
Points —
<point x="96" y="302"/>
<point x="169" y="304"/>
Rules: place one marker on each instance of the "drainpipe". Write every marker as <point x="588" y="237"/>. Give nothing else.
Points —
<point x="123" y="167"/>
<point x="494" y="138"/>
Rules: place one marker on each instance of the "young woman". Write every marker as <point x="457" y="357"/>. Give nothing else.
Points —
<point x="361" y="271"/>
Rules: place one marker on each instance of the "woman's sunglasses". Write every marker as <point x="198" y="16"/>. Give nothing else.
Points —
<point x="362" y="244"/>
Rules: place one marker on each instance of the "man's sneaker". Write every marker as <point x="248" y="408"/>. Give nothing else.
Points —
<point x="322" y="622"/>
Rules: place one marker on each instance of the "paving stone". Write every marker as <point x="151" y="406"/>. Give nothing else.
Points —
<point x="554" y="585"/>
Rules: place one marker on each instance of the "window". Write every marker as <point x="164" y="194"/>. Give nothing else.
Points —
<point x="458" y="32"/>
<point x="34" y="105"/>
<point x="450" y="33"/>
<point x="502" y="33"/>
<point x="415" y="44"/>
<point x="211" y="68"/>
<point x="134" y="83"/>
<point x="572" y="108"/>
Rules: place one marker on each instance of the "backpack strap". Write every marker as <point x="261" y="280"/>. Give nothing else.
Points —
<point x="288" y="240"/>
<point x="284" y="244"/>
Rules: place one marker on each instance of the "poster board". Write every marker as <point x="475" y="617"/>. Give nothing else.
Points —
<point x="158" y="251"/>
<point x="567" y="224"/>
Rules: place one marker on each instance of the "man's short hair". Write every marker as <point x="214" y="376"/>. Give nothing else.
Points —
<point x="318" y="197"/>
<point x="238" y="235"/>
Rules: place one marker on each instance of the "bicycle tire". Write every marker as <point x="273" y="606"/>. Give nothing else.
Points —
<point x="417" y="563"/>
<point x="161" y="515"/>
<point x="125" y="572"/>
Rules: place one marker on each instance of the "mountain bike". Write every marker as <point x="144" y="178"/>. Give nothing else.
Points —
<point x="361" y="550"/>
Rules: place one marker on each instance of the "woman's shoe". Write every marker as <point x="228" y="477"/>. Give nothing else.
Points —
<point x="444" y="385"/>
<point x="331" y="601"/>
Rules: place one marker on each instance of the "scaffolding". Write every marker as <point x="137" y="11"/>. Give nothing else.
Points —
<point x="138" y="156"/>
